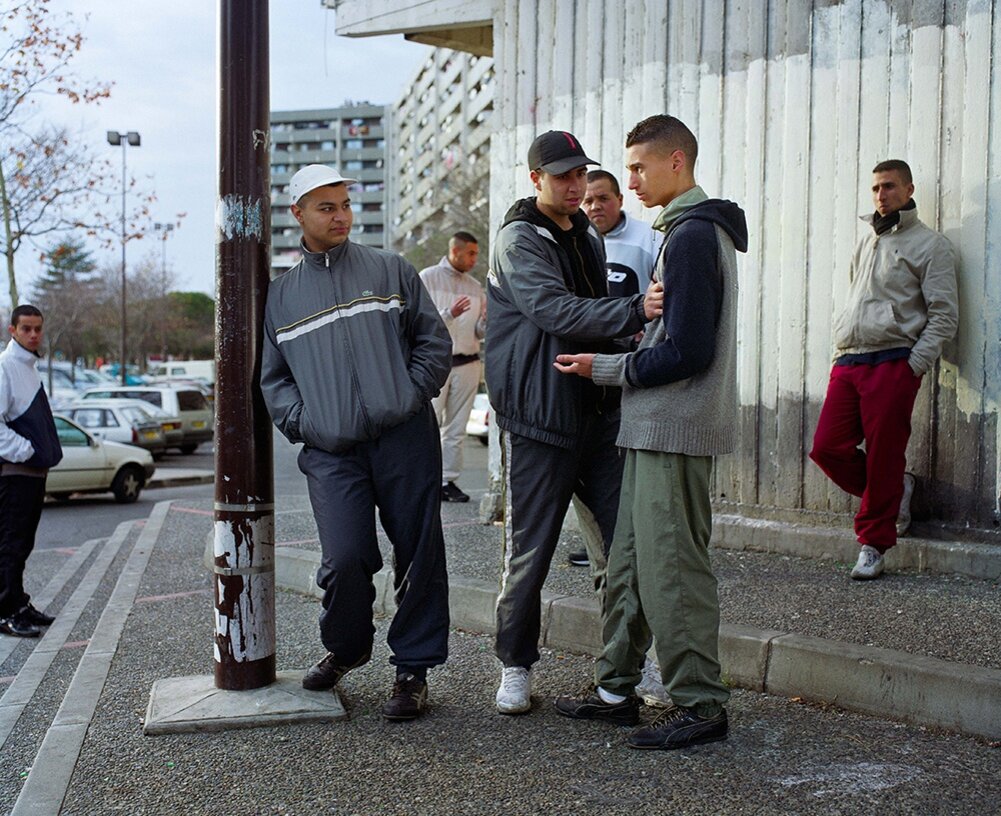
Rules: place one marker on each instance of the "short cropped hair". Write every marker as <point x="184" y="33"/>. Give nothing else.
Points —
<point x="27" y="310"/>
<point x="465" y="237"/>
<point x="668" y="133"/>
<point x="598" y="175"/>
<point x="898" y="165"/>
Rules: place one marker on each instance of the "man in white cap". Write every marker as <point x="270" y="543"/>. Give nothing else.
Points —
<point x="354" y="351"/>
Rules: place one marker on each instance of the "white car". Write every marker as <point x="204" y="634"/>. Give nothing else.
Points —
<point x="90" y="465"/>
<point x="129" y="422"/>
<point x="478" y="424"/>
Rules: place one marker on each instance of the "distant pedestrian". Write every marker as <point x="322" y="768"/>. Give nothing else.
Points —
<point x="29" y="446"/>
<point x="354" y="351"/>
<point x="902" y="308"/>
<point x="679" y="410"/>
<point x="462" y="305"/>
<point x="546" y="296"/>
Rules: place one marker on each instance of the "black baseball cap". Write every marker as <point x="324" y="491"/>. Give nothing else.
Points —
<point x="557" y="152"/>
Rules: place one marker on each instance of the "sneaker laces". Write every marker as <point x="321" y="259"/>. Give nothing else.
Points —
<point x="514" y="680"/>
<point x="669" y="715"/>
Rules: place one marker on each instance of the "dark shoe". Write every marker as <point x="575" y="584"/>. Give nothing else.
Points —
<point x="409" y="699"/>
<point x="451" y="493"/>
<point x="19" y="626"/>
<point x="327" y="673"/>
<point x="589" y="706"/>
<point x="32" y="615"/>
<point x="679" y="728"/>
<point x="578" y="559"/>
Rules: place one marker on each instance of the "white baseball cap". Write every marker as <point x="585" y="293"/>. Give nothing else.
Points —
<point x="312" y="176"/>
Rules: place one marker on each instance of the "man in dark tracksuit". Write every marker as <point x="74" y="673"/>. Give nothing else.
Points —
<point x="29" y="446"/>
<point x="354" y="350"/>
<point x="547" y="295"/>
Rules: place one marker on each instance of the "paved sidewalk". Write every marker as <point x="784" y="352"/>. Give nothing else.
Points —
<point x="783" y="757"/>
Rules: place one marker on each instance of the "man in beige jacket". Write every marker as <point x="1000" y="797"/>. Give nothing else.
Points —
<point x="902" y="308"/>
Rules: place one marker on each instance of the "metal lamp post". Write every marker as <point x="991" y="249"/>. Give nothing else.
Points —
<point x="165" y="229"/>
<point x="115" y="138"/>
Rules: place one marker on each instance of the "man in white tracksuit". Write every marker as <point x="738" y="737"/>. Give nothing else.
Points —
<point x="462" y="305"/>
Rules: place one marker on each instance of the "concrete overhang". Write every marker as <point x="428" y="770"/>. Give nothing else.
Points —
<point x="462" y="25"/>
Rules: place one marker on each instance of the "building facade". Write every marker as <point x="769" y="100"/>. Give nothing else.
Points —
<point x="793" y="103"/>
<point x="440" y="149"/>
<point x="353" y="139"/>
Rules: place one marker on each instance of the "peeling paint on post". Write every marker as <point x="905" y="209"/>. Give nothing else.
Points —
<point x="244" y="580"/>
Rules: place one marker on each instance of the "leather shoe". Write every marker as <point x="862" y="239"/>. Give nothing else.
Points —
<point x="32" y="615"/>
<point x="19" y="627"/>
<point x="328" y="673"/>
<point x="409" y="699"/>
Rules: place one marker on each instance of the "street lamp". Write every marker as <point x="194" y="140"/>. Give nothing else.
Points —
<point x="115" y="138"/>
<point x="166" y="229"/>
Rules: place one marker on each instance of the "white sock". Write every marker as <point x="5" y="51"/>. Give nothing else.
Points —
<point x="610" y="698"/>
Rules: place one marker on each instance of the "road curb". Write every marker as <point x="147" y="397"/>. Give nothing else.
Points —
<point x="735" y="532"/>
<point x="883" y="682"/>
<point x="184" y="478"/>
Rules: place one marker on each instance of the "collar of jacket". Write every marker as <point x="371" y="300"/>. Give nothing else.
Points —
<point x="446" y="264"/>
<point x="673" y="211"/>
<point x="326" y="259"/>
<point x="20" y="353"/>
<point x="619" y="228"/>
<point x="908" y="218"/>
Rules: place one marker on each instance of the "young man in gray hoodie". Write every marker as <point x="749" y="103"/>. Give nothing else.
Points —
<point x="679" y="410"/>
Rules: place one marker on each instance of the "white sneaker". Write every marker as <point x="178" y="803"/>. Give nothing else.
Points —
<point x="650" y="689"/>
<point x="515" y="693"/>
<point x="869" y="564"/>
<point x="904" y="514"/>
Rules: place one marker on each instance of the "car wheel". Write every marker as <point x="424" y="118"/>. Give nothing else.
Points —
<point x="484" y="440"/>
<point x="189" y="448"/>
<point x="128" y="484"/>
<point x="61" y="496"/>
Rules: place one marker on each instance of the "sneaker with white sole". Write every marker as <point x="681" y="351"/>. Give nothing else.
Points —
<point x="650" y="689"/>
<point x="515" y="693"/>
<point x="904" y="514"/>
<point x="869" y="564"/>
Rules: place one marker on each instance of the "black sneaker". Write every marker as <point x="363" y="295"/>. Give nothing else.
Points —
<point x="679" y="728"/>
<point x="408" y="700"/>
<point x="451" y="493"/>
<point x="18" y="626"/>
<point x="327" y="673"/>
<point x="578" y="559"/>
<point x="32" y="615"/>
<point x="588" y="705"/>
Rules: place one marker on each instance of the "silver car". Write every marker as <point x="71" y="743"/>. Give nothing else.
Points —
<point x="187" y="403"/>
<point x="128" y="422"/>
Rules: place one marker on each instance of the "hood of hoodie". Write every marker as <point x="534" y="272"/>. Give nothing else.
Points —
<point x="695" y="204"/>
<point x="526" y="209"/>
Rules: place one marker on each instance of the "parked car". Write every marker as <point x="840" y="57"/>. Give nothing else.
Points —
<point x="64" y="391"/>
<point x="185" y="370"/>
<point x="478" y="424"/>
<point x="130" y="422"/>
<point x="133" y="376"/>
<point x="91" y="465"/>
<point x="187" y="403"/>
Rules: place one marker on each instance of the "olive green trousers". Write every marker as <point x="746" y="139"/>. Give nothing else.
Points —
<point x="660" y="582"/>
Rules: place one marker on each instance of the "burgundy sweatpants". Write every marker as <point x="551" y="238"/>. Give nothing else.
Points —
<point x="871" y="403"/>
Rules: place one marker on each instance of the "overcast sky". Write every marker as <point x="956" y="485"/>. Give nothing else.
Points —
<point x="162" y="58"/>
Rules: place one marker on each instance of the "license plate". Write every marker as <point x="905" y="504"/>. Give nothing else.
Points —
<point x="198" y="423"/>
<point x="149" y="435"/>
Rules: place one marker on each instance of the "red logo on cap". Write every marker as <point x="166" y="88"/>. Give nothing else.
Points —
<point x="569" y="138"/>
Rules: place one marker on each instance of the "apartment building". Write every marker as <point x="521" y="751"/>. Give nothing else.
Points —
<point x="353" y="139"/>
<point x="439" y="149"/>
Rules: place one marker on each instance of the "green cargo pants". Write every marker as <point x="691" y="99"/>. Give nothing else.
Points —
<point x="660" y="582"/>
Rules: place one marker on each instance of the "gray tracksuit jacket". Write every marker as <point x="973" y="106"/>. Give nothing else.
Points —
<point x="547" y="295"/>
<point x="353" y="345"/>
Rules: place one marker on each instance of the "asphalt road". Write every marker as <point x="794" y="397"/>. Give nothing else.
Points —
<point x="68" y="524"/>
